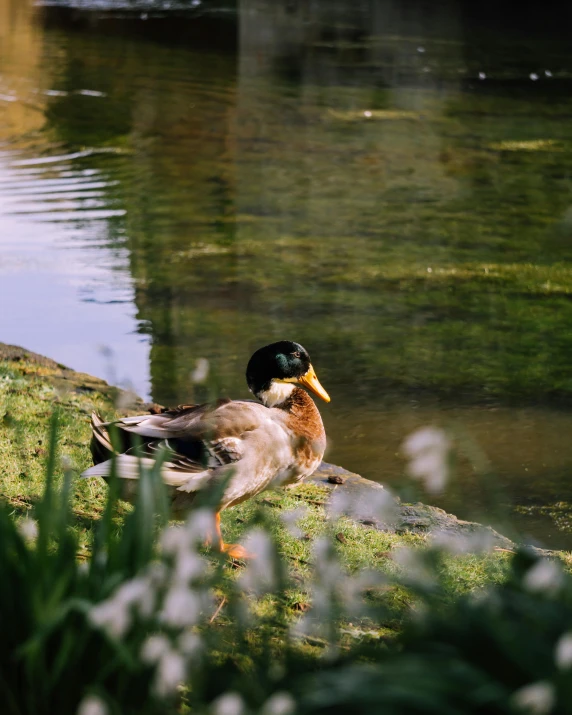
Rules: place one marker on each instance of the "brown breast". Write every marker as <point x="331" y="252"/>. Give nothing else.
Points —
<point x="305" y="421"/>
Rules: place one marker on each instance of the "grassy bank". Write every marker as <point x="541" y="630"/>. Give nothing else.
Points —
<point x="101" y="614"/>
<point x="30" y="391"/>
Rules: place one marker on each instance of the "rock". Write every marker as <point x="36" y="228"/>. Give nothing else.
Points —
<point x="401" y="518"/>
<point x="65" y="379"/>
<point x="368" y="496"/>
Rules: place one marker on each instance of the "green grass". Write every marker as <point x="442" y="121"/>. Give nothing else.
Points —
<point x="28" y="396"/>
<point x="416" y="640"/>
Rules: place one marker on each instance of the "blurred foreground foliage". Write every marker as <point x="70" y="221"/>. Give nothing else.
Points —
<point x="151" y="623"/>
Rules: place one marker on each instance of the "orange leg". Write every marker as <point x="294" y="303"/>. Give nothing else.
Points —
<point x="235" y="551"/>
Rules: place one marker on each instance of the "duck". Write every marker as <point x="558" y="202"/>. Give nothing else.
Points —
<point x="277" y="440"/>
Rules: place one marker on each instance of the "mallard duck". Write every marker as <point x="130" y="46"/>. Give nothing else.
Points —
<point x="275" y="442"/>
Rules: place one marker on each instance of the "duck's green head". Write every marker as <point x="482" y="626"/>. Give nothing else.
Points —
<point x="274" y="371"/>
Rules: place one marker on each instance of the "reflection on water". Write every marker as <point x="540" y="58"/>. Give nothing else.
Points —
<point x="379" y="184"/>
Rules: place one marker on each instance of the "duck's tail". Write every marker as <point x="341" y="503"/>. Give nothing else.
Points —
<point x="101" y="447"/>
<point x="128" y="466"/>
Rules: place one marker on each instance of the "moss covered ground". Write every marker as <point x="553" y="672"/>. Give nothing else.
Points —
<point x="29" y="394"/>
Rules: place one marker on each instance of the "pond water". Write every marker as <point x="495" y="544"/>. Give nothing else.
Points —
<point x="389" y="185"/>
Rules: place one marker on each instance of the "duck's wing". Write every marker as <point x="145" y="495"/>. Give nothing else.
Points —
<point x="199" y="440"/>
<point x="227" y="418"/>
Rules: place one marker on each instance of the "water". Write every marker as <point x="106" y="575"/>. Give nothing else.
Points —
<point x="390" y="187"/>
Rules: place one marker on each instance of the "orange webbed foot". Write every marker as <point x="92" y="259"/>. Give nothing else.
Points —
<point x="236" y="551"/>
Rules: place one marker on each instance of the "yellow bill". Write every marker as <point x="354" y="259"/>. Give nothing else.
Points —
<point x="311" y="382"/>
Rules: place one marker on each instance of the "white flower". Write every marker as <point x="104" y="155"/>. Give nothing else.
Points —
<point x="537" y="698"/>
<point x="126" y="399"/>
<point x="545" y="576"/>
<point x="182" y="607"/>
<point x="154" y="648"/>
<point x="563" y="655"/>
<point x="170" y="673"/>
<point x="368" y="505"/>
<point x="412" y="562"/>
<point x="201" y="371"/>
<point x="191" y="644"/>
<point x="92" y="705"/>
<point x="137" y="592"/>
<point x="428" y="451"/>
<point x="424" y="439"/>
<point x="28" y="528"/>
<point x="339" y="504"/>
<point x="259" y="575"/>
<point x="479" y="542"/>
<point x="189" y="565"/>
<point x="174" y="539"/>
<point x="200" y="525"/>
<point x="324" y="558"/>
<point x="131" y="591"/>
<point x="281" y="703"/>
<point x="228" y="704"/>
<point x="157" y="573"/>
<point x="111" y="616"/>
<point x="291" y="519"/>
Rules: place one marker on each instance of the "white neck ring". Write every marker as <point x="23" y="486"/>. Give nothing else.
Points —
<point x="277" y="393"/>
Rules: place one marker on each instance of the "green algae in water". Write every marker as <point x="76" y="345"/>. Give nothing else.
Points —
<point x="412" y="228"/>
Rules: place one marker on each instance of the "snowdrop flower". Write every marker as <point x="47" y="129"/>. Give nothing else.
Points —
<point x="126" y="399"/>
<point x="327" y="570"/>
<point x="563" y="655"/>
<point x="477" y="543"/>
<point x="428" y="451"/>
<point x="154" y="648"/>
<point x="201" y="371"/>
<point x="132" y="591"/>
<point x="280" y="703"/>
<point x="339" y="504"/>
<point x="351" y="589"/>
<point x="482" y="75"/>
<point x="189" y="565"/>
<point x="228" y="704"/>
<point x="174" y="539"/>
<point x="28" y="529"/>
<point x="157" y="573"/>
<point x="416" y="570"/>
<point x="533" y="76"/>
<point x="372" y="505"/>
<point x="170" y="673"/>
<point x="137" y="592"/>
<point x="190" y="644"/>
<point x="182" y="607"/>
<point x="200" y="525"/>
<point x="111" y="616"/>
<point x="291" y="519"/>
<point x="544" y="576"/>
<point x="260" y="574"/>
<point x="537" y="698"/>
<point x="92" y="705"/>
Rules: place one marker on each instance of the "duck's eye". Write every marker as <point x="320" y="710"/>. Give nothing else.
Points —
<point x="297" y="354"/>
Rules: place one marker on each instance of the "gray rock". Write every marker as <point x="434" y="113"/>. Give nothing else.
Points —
<point x="397" y="517"/>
